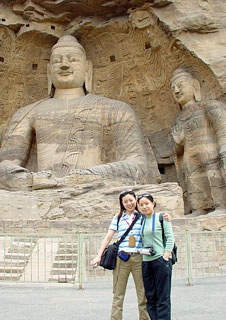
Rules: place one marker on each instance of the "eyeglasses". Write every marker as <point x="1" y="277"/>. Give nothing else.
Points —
<point x="144" y="195"/>
<point x="125" y="192"/>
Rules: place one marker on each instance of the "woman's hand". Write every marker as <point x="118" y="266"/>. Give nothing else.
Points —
<point x="166" y="255"/>
<point x="96" y="261"/>
<point x="167" y="217"/>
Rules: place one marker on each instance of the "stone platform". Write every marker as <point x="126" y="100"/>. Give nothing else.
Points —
<point x="89" y="208"/>
<point x="86" y="207"/>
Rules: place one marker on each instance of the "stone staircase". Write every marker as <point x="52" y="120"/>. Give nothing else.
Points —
<point x="55" y="259"/>
<point x="14" y="257"/>
<point x="38" y="260"/>
<point x="64" y="268"/>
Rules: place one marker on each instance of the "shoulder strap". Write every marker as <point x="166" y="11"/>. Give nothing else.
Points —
<point x="118" y="218"/>
<point x="142" y="218"/>
<point x="161" y="222"/>
<point x="128" y="230"/>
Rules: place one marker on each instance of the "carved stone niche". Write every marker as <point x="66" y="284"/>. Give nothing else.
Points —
<point x="133" y="55"/>
<point x="133" y="62"/>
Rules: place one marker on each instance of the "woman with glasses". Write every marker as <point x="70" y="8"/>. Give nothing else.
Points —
<point x="131" y="244"/>
<point x="157" y="267"/>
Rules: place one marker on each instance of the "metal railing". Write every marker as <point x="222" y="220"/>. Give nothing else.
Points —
<point x="66" y="258"/>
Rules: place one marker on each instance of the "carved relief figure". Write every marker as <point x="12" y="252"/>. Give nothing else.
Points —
<point x="73" y="131"/>
<point x="199" y="144"/>
<point x="141" y="18"/>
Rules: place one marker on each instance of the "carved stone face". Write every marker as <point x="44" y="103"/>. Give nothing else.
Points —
<point x="67" y="68"/>
<point x="141" y="19"/>
<point x="182" y="89"/>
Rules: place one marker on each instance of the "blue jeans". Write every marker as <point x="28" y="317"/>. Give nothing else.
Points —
<point x="157" y="284"/>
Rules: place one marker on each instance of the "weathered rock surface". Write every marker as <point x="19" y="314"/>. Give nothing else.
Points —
<point x="135" y="46"/>
<point x="86" y="207"/>
<point x="209" y="222"/>
<point x="90" y="208"/>
<point x="201" y="28"/>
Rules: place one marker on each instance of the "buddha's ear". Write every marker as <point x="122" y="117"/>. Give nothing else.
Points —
<point x="51" y="87"/>
<point x="197" y="89"/>
<point x="89" y="76"/>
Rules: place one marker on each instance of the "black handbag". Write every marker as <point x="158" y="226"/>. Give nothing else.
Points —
<point x="174" y="251"/>
<point x="109" y="256"/>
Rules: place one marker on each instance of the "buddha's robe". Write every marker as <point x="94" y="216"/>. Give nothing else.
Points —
<point x="89" y="132"/>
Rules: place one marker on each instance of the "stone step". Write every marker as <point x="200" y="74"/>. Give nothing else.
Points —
<point x="65" y="253"/>
<point x="60" y="272"/>
<point x="68" y="244"/>
<point x="20" y="250"/>
<point x="17" y="256"/>
<point x="11" y="269"/>
<point x="12" y="262"/>
<point x="25" y="240"/>
<point x="66" y="257"/>
<point x="15" y="261"/>
<point x="65" y="265"/>
<point x="63" y="269"/>
<point x="71" y="251"/>
<point x="9" y="277"/>
<point x="62" y="278"/>
<point x="24" y="244"/>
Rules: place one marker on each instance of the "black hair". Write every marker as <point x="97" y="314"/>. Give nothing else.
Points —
<point x="121" y="196"/>
<point x="146" y="195"/>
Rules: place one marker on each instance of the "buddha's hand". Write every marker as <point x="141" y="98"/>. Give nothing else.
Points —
<point x="64" y="169"/>
<point x="178" y="133"/>
<point x="80" y="171"/>
<point x="44" y="180"/>
<point x="14" y="177"/>
<point x="80" y="176"/>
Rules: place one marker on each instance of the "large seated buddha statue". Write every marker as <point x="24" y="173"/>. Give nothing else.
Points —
<point x="72" y="131"/>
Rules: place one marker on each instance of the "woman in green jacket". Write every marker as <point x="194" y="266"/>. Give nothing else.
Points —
<point x="157" y="266"/>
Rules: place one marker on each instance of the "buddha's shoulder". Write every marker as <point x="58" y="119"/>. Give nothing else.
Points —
<point x="31" y="107"/>
<point x="214" y="104"/>
<point x="27" y="111"/>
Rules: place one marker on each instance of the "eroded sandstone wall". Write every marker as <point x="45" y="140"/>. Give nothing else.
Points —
<point x="134" y="46"/>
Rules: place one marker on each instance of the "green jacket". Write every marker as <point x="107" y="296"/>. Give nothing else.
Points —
<point x="151" y="234"/>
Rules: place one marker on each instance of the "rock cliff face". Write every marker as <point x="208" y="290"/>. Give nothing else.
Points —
<point x="134" y="45"/>
<point x="88" y="207"/>
<point x="200" y="27"/>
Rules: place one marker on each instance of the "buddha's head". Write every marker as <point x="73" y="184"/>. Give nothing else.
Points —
<point x="68" y="66"/>
<point x="185" y="87"/>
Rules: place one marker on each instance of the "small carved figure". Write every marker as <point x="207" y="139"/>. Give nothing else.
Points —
<point x="72" y="131"/>
<point x="141" y="18"/>
<point x="199" y="144"/>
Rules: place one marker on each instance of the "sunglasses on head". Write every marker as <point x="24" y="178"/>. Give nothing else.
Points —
<point x="144" y="195"/>
<point x="125" y="192"/>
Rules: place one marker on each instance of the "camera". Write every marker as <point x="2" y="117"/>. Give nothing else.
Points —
<point x="150" y="251"/>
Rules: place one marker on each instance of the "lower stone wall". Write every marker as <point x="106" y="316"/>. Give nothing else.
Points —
<point x="89" y="208"/>
<point x="86" y="208"/>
